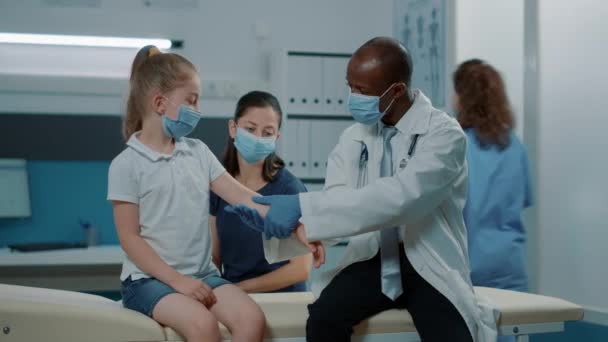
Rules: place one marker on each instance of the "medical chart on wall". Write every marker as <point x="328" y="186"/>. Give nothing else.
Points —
<point x="420" y="26"/>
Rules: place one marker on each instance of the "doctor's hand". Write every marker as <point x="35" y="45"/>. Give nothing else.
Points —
<point x="317" y="248"/>
<point x="194" y="289"/>
<point x="281" y="219"/>
<point x="283" y="214"/>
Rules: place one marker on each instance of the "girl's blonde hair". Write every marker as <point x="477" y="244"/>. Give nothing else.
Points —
<point x="152" y="70"/>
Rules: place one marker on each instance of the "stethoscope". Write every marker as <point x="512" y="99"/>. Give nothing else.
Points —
<point x="364" y="157"/>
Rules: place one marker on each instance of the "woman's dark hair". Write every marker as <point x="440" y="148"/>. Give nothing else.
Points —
<point x="272" y="163"/>
<point x="484" y="105"/>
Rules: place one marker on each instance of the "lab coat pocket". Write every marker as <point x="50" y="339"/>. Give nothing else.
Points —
<point x="400" y="163"/>
<point x="361" y="177"/>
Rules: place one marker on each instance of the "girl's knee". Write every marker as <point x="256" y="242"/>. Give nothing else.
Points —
<point x="203" y="328"/>
<point x="251" y="319"/>
<point x="258" y="318"/>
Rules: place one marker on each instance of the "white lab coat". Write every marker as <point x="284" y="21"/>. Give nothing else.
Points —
<point x="425" y="198"/>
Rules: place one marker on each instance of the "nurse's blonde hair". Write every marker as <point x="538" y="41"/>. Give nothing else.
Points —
<point x="152" y="71"/>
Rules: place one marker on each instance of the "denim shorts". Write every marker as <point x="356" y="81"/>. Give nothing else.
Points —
<point x="142" y="295"/>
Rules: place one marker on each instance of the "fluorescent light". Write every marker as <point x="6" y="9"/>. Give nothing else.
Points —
<point x="47" y="39"/>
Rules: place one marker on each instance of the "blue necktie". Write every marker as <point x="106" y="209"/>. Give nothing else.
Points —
<point x="389" y="237"/>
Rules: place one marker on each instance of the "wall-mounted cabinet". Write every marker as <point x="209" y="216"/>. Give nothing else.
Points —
<point x="313" y="91"/>
<point x="316" y="84"/>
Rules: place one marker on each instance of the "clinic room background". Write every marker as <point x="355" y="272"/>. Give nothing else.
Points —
<point x="61" y="109"/>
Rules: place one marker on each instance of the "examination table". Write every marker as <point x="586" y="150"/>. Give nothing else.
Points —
<point x="37" y="314"/>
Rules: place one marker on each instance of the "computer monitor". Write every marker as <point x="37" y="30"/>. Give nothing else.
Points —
<point x="14" y="189"/>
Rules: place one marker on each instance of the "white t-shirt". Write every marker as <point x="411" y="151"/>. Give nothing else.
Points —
<point x="172" y="192"/>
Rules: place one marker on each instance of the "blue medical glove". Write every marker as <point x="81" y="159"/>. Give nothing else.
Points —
<point x="249" y="216"/>
<point x="283" y="214"/>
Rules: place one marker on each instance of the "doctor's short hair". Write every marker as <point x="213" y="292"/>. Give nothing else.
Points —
<point x="153" y="70"/>
<point x="272" y="163"/>
<point x="394" y="56"/>
<point x="484" y="104"/>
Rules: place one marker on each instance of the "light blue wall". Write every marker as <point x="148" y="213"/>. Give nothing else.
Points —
<point x="61" y="193"/>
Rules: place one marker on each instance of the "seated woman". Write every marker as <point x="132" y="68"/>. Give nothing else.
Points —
<point x="250" y="158"/>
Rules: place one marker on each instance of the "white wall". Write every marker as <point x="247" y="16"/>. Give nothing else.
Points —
<point x="220" y="36"/>
<point x="573" y="151"/>
<point x="493" y="30"/>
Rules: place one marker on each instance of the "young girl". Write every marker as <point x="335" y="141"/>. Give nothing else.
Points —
<point x="250" y="158"/>
<point x="159" y="187"/>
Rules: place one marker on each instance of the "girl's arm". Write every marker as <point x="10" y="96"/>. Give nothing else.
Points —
<point x="215" y="243"/>
<point x="234" y="192"/>
<point x="126" y="217"/>
<point x="297" y="270"/>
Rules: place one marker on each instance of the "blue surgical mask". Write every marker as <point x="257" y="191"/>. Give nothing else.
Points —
<point x="253" y="148"/>
<point x="365" y="109"/>
<point x="187" y="119"/>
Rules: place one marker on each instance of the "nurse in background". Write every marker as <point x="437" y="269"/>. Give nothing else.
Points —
<point x="499" y="182"/>
<point x="250" y="158"/>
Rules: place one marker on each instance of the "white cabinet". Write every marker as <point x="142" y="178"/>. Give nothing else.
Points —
<point x="316" y="84"/>
<point x="335" y="90"/>
<point x="300" y="155"/>
<point x="303" y="149"/>
<point x="320" y="145"/>
<point x="313" y="92"/>
<point x="306" y="145"/>
<point x="288" y="145"/>
<point x="304" y="85"/>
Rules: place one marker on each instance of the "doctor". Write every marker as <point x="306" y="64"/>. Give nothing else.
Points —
<point x="396" y="185"/>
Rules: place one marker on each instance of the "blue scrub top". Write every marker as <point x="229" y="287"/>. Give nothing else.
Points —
<point x="498" y="192"/>
<point x="241" y="247"/>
